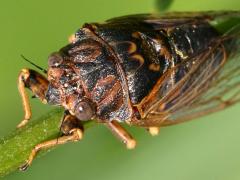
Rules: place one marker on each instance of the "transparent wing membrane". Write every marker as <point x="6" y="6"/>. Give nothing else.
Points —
<point x="209" y="82"/>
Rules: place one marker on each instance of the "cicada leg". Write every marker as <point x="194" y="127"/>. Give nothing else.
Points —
<point x="37" y="83"/>
<point x="121" y="134"/>
<point x="154" y="131"/>
<point x="72" y="130"/>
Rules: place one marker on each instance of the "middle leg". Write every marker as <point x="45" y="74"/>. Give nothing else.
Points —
<point x="154" y="131"/>
<point x="121" y="134"/>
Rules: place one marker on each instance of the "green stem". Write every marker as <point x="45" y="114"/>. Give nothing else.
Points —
<point x="15" y="148"/>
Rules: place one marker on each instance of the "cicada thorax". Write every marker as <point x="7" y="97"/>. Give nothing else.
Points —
<point x="146" y="51"/>
<point x="143" y="56"/>
<point x="100" y="78"/>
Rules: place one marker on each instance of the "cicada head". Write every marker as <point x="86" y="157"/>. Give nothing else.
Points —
<point x="65" y="88"/>
<point x="55" y="72"/>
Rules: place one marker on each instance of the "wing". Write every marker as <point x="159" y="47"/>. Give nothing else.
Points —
<point x="172" y="19"/>
<point x="220" y="90"/>
<point x="211" y="84"/>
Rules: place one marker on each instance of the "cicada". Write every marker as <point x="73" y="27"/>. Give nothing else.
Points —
<point x="143" y="70"/>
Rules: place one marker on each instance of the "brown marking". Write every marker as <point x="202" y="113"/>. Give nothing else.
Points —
<point x="136" y="35"/>
<point x="70" y="102"/>
<point x="86" y="52"/>
<point x="132" y="47"/>
<point x="54" y="74"/>
<point x="119" y="68"/>
<point x="138" y="58"/>
<point x="158" y="41"/>
<point x="104" y="85"/>
<point x="111" y="94"/>
<point x="154" y="67"/>
<point x="84" y="87"/>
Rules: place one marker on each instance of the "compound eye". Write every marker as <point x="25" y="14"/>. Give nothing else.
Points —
<point x="54" y="60"/>
<point x="84" y="111"/>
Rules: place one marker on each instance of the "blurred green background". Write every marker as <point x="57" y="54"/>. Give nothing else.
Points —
<point x="208" y="148"/>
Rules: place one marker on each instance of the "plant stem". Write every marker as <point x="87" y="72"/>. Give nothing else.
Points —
<point x="15" y="148"/>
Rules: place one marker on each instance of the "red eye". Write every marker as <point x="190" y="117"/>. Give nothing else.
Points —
<point x="84" y="111"/>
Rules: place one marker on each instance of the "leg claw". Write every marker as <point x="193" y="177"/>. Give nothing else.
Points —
<point x="154" y="131"/>
<point x="22" y="123"/>
<point x="24" y="167"/>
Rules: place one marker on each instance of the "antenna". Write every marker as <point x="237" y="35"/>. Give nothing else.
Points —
<point x="43" y="70"/>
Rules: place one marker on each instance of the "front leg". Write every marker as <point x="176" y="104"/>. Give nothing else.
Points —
<point x="121" y="134"/>
<point x="37" y="83"/>
<point x="72" y="129"/>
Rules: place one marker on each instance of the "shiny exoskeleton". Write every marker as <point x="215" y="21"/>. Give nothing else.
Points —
<point x="115" y="65"/>
<point x="143" y="70"/>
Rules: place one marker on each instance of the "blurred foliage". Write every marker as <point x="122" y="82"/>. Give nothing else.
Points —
<point x="163" y="5"/>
